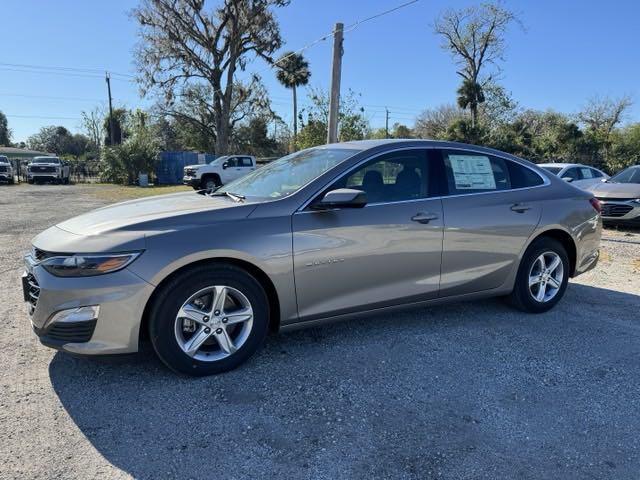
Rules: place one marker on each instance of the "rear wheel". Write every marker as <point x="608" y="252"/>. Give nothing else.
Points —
<point x="209" y="320"/>
<point x="542" y="277"/>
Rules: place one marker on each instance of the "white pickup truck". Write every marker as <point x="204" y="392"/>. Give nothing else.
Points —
<point x="48" y="169"/>
<point x="6" y="170"/>
<point x="220" y="171"/>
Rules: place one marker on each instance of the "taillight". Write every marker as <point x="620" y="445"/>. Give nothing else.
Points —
<point x="595" y="203"/>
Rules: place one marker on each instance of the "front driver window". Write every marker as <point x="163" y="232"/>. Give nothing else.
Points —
<point x="392" y="177"/>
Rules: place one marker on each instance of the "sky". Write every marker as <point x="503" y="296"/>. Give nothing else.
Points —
<point x="567" y="52"/>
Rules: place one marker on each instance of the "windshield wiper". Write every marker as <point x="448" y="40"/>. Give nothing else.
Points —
<point x="236" y="197"/>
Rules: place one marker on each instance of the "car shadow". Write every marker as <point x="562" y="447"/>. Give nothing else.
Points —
<point x="449" y="389"/>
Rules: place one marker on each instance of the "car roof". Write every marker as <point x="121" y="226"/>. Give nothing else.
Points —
<point x="563" y="165"/>
<point x="412" y="142"/>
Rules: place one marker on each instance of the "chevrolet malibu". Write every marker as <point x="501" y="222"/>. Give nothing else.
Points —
<point x="343" y="230"/>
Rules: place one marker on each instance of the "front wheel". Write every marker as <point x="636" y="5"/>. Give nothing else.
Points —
<point x="542" y="277"/>
<point x="209" y="319"/>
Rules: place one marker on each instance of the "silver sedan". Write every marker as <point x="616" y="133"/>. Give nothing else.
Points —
<point x="323" y="234"/>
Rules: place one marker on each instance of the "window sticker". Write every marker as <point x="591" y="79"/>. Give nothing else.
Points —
<point x="472" y="172"/>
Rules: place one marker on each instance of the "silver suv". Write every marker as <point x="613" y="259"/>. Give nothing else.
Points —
<point x="322" y="234"/>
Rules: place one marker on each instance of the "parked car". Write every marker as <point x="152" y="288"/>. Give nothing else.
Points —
<point x="48" y="169"/>
<point x="620" y="197"/>
<point x="581" y="176"/>
<point x="326" y="233"/>
<point x="6" y="170"/>
<point x="220" y="171"/>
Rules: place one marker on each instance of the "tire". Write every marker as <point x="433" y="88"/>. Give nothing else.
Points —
<point x="210" y="182"/>
<point x="531" y="299"/>
<point x="169" y="332"/>
<point x="30" y="182"/>
<point x="11" y="181"/>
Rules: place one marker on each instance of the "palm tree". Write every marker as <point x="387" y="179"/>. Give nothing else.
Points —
<point x="293" y="71"/>
<point x="470" y="94"/>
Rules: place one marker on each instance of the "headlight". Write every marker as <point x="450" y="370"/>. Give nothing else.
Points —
<point x="81" y="265"/>
<point x="636" y="200"/>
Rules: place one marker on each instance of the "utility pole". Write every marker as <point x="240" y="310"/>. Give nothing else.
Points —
<point x="334" y="94"/>
<point x="386" y="123"/>
<point x="108" y="79"/>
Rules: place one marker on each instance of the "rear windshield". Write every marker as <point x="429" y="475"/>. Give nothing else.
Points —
<point x="46" y="160"/>
<point x="554" y="170"/>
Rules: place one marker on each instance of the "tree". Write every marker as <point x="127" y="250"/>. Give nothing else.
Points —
<point x="475" y="38"/>
<point x="470" y="95"/>
<point x="600" y="116"/>
<point x="253" y="138"/>
<point x="293" y="71"/>
<point x="119" y="127"/>
<point x="5" y="131"/>
<point x="351" y="120"/>
<point x="58" y="140"/>
<point x="184" y="46"/>
<point x="93" y="124"/>
<point x="434" y="123"/>
<point x="137" y="154"/>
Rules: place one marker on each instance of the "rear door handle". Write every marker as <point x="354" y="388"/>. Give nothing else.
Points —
<point x="424" y="217"/>
<point x="520" y="207"/>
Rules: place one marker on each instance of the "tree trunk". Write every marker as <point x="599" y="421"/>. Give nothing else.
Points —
<point x="295" y="118"/>
<point x="474" y="114"/>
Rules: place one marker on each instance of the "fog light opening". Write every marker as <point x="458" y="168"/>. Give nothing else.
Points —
<point x="78" y="314"/>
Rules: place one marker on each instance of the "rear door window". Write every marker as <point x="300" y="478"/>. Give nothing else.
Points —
<point x="586" y="173"/>
<point x="469" y="172"/>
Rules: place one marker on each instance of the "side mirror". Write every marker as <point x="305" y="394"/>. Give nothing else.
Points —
<point x="567" y="179"/>
<point x="225" y="165"/>
<point x="342" y="198"/>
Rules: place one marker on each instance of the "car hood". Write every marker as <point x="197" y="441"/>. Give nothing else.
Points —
<point x="197" y="165"/>
<point x="124" y="226"/>
<point x="616" y="190"/>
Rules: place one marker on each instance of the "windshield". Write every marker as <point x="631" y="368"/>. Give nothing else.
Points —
<point x="629" y="175"/>
<point x="554" y="170"/>
<point x="289" y="174"/>
<point x="4" y="159"/>
<point x="223" y="158"/>
<point x="46" y="160"/>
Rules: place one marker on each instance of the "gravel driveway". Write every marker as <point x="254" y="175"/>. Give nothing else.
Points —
<point x="474" y="390"/>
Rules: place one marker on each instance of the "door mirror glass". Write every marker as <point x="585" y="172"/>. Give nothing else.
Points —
<point x="567" y="179"/>
<point x="225" y="165"/>
<point x="342" y="198"/>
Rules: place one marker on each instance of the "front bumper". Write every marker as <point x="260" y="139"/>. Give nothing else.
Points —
<point x="6" y="176"/>
<point x="620" y="211"/>
<point x="121" y="297"/>
<point x="191" y="181"/>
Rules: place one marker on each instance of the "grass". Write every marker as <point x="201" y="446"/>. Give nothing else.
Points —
<point x="119" y="193"/>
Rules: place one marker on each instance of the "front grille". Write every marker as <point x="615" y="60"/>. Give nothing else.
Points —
<point x="615" y="210"/>
<point x="32" y="292"/>
<point x="71" y="332"/>
<point x="4" y="169"/>
<point x="44" y="169"/>
<point x="612" y="199"/>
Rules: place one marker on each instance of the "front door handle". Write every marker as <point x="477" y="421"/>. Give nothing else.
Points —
<point x="520" y="207"/>
<point x="424" y="217"/>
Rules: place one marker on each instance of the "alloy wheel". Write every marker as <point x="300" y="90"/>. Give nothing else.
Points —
<point x="546" y="276"/>
<point x="213" y="323"/>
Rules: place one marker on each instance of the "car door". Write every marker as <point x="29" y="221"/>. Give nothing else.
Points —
<point x="490" y="212"/>
<point x="386" y="253"/>
<point x="245" y="165"/>
<point x="229" y="167"/>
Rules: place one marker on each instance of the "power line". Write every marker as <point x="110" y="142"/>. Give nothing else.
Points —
<point x="66" y="69"/>
<point x="43" y="117"/>
<point x="48" y="97"/>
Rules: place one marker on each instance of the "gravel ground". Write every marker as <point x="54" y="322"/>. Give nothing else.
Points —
<point x="474" y="390"/>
